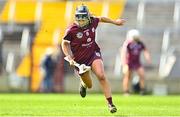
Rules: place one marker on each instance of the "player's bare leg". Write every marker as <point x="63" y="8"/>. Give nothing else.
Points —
<point x="140" y="72"/>
<point x="85" y="83"/>
<point x="86" y="79"/>
<point x="126" y="80"/>
<point x="98" y="69"/>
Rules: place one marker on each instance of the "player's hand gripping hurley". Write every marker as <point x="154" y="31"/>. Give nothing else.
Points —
<point x="82" y="68"/>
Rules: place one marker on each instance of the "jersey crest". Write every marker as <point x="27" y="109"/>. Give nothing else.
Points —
<point x="79" y="35"/>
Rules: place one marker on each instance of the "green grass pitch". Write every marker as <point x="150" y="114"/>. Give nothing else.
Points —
<point x="92" y="105"/>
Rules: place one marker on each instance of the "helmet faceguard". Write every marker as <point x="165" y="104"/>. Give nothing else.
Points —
<point x="82" y="16"/>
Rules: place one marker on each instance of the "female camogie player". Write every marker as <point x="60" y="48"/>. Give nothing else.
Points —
<point x="79" y="46"/>
<point x="130" y="57"/>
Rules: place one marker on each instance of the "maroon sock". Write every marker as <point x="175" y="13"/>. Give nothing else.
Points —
<point x="109" y="100"/>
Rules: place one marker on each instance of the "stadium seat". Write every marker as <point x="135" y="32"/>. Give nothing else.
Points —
<point x="24" y="12"/>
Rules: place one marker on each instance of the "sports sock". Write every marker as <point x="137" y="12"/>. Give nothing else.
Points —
<point x="109" y="100"/>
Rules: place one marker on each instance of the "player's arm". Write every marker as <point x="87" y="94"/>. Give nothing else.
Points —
<point x="118" y="22"/>
<point x="147" y="56"/>
<point x="67" y="50"/>
<point x="123" y="54"/>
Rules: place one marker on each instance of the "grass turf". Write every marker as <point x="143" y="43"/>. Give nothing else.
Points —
<point x="92" y="105"/>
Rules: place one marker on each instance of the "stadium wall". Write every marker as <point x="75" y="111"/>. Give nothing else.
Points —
<point x="171" y="85"/>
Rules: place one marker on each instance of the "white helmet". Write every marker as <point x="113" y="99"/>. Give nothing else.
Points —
<point x="82" y="13"/>
<point x="133" y="34"/>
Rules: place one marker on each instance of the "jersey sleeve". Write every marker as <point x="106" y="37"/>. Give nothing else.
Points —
<point x="95" y="21"/>
<point x="67" y="35"/>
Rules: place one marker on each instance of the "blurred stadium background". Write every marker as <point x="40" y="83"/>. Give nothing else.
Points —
<point x="28" y="27"/>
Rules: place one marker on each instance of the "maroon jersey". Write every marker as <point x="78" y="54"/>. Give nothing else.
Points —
<point x="82" y="42"/>
<point x="134" y="50"/>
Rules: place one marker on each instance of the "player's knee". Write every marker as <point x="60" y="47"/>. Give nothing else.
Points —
<point x="102" y="77"/>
